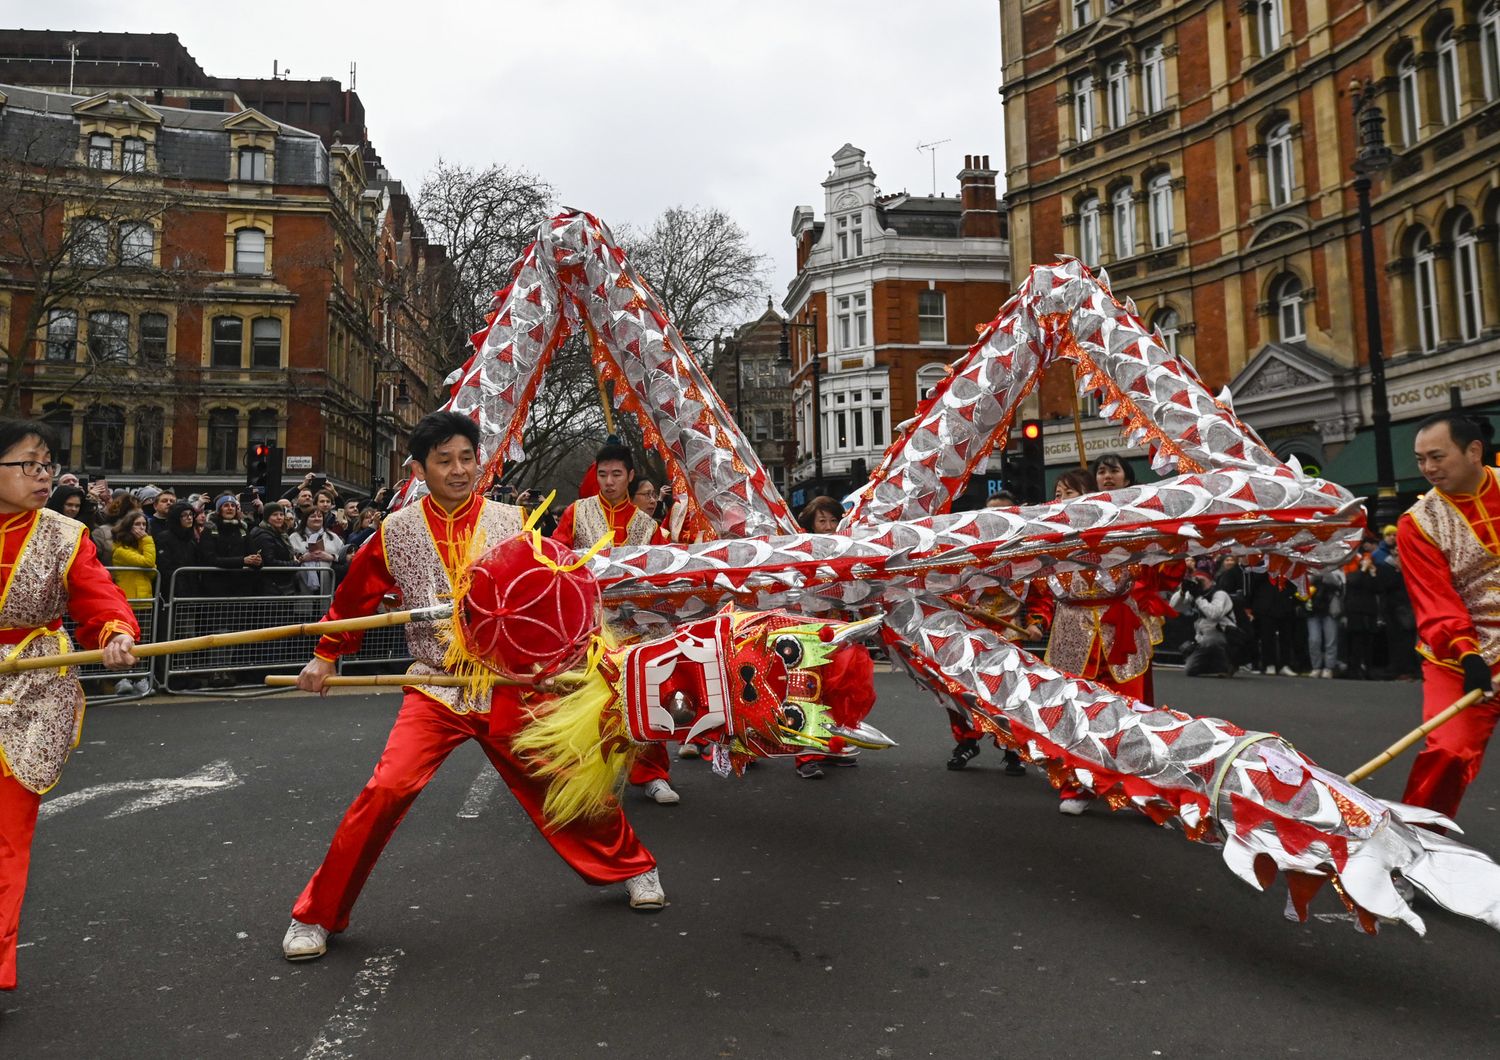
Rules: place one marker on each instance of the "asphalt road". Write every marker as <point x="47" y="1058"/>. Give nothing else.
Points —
<point x="893" y="910"/>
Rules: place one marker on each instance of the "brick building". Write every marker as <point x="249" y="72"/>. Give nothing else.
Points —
<point x="752" y="379"/>
<point x="252" y="280"/>
<point x="1201" y="150"/>
<point x="889" y="290"/>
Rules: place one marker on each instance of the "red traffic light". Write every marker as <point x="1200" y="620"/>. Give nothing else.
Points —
<point x="1031" y="430"/>
<point x="262" y="450"/>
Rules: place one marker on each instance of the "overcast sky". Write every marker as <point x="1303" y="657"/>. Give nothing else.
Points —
<point x="631" y="106"/>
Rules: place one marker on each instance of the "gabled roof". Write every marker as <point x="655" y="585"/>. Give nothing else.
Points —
<point x="117" y="105"/>
<point x="251" y="120"/>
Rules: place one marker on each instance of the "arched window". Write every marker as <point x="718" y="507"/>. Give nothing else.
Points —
<point x="148" y="439"/>
<point x="90" y="241"/>
<point x="1279" y="177"/>
<point x="1409" y="100"/>
<point x="223" y="439"/>
<point x="1489" y="48"/>
<point x="1424" y="264"/>
<point x="133" y="154"/>
<point x="101" y="151"/>
<point x="1466" y="277"/>
<point x="1117" y="92"/>
<point x="1160" y="209"/>
<point x="1123" y="205"/>
<point x="109" y="336"/>
<point x="1447" y="75"/>
<point x="1291" y="317"/>
<point x="1268" y="25"/>
<point x="137" y="240"/>
<point x="250" y="252"/>
<point x="1088" y="231"/>
<point x="60" y="419"/>
<point x="104" y="438"/>
<point x="1169" y="325"/>
<point x="929" y="376"/>
<point x="62" y="335"/>
<point x="228" y="341"/>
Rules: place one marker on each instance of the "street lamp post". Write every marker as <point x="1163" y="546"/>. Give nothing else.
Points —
<point x="1372" y="157"/>
<point x="785" y="358"/>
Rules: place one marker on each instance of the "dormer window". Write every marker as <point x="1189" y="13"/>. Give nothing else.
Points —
<point x="851" y="236"/>
<point x="101" y="152"/>
<point x="252" y="163"/>
<point x="133" y="155"/>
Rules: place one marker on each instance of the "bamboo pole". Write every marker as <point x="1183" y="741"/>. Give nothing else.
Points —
<point x="246" y="636"/>
<point x="981" y="615"/>
<point x="403" y="680"/>
<point x="1083" y="461"/>
<point x="1384" y="757"/>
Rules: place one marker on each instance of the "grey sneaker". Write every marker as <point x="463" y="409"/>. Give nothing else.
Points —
<point x="661" y="792"/>
<point x="646" y="895"/>
<point x="1072" y="807"/>
<point x="304" y="942"/>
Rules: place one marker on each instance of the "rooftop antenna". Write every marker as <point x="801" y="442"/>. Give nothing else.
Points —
<point x="932" y="150"/>
<point x="353" y="76"/>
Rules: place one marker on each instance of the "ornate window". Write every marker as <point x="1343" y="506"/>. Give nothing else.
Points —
<point x="928" y="377"/>
<point x="101" y="151"/>
<point x="228" y="342"/>
<point x="104" y="438"/>
<point x="1291" y="315"/>
<point x="1083" y="107"/>
<point x="1117" y="92"/>
<point x="252" y="163"/>
<point x="1489" y="48"/>
<point x="133" y="155"/>
<point x="1160" y="208"/>
<point x="223" y="439"/>
<point x="1169" y="325"/>
<point x="1447" y="76"/>
<point x="1408" y="92"/>
<point x="109" y="336"/>
<point x="1123" y="203"/>
<point x="250" y="252"/>
<point x="90" y="241"/>
<point x="1083" y="13"/>
<point x="62" y="335"/>
<point x="1088" y="231"/>
<point x="1466" y="276"/>
<point x="1154" y="78"/>
<point x="1279" y="174"/>
<point x="853" y="321"/>
<point x="148" y="439"/>
<point x="1429" y="329"/>
<point x="1269" y="25"/>
<point x="265" y="343"/>
<point x="137" y="241"/>
<point x="932" y="317"/>
<point x="851" y="235"/>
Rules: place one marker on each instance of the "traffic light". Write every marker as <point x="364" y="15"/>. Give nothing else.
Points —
<point x="1029" y="470"/>
<point x="263" y="469"/>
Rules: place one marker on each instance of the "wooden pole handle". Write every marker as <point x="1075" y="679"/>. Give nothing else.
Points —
<point x="402" y="680"/>
<point x="225" y="640"/>
<point x="1384" y="757"/>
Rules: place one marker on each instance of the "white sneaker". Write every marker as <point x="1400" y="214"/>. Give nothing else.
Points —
<point x="304" y="942"/>
<point x="1287" y="671"/>
<point x="662" y="792"/>
<point x="645" y="892"/>
<point x="143" y="686"/>
<point x="1072" y="807"/>
<point x="124" y="687"/>
<point x="1325" y="674"/>
<point x="689" y="750"/>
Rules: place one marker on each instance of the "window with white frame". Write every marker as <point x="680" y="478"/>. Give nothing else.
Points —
<point x="1466" y="274"/>
<point x="1123" y="216"/>
<point x="62" y="335"/>
<point x="1168" y="324"/>
<point x="1160" y="208"/>
<point x="109" y="336"/>
<point x="1083" y="107"/>
<point x="853" y="321"/>
<point x="928" y="377"/>
<point x="855" y="419"/>
<point x="252" y="163"/>
<point x="1489" y="48"/>
<point x="137" y="240"/>
<point x="1408" y="93"/>
<point x="250" y="252"/>
<point x="153" y="345"/>
<point x="1447" y="75"/>
<point x="1083" y="13"/>
<point x="90" y="241"/>
<point x="851" y="235"/>
<point x="1424" y="264"/>
<point x="1291" y="317"/>
<point x="133" y="155"/>
<point x="101" y="152"/>
<point x="265" y="342"/>
<point x="1268" y="25"/>
<point x="1154" y="78"/>
<point x="932" y="316"/>
<point x="1279" y="164"/>
<point x="1117" y="92"/>
<point x="1088" y="231"/>
<point x="228" y="342"/>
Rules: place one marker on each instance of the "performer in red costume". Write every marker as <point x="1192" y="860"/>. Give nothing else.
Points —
<point x="419" y="552"/>
<point x="583" y="524"/>
<point x="1102" y="629"/>
<point x="1449" y="543"/>
<point x="48" y="567"/>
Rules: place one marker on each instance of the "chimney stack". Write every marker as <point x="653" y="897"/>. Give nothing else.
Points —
<point x="981" y="212"/>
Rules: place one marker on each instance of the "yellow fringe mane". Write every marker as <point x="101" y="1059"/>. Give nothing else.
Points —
<point x="578" y="741"/>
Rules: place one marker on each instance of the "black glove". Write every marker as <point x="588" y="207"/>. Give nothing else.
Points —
<point x="1476" y="673"/>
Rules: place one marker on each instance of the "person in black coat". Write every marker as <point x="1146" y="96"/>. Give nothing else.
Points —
<point x="1273" y="607"/>
<point x="226" y="545"/>
<point x="1363" y="614"/>
<point x="177" y="547"/>
<point x="269" y="540"/>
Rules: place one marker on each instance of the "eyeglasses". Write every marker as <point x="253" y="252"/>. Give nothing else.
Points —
<point x="33" y="468"/>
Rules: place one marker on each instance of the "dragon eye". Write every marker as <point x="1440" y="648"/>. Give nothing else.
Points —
<point x="792" y="717"/>
<point x="790" y="650"/>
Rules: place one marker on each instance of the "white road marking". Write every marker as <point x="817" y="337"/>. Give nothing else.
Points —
<point x="479" y="792"/>
<point x="162" y="791"/>
<point x="347" y="1024"/>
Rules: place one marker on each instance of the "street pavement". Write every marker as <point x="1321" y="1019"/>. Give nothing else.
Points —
<point x="892" y="910"/>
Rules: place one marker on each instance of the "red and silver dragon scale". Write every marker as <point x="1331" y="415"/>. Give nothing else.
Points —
<point x="900" y="553"/>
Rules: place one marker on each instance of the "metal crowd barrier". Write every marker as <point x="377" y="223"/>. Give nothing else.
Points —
<point x="103" y="685"/>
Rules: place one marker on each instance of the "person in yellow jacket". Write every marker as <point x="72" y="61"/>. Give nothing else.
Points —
<point x="135" y="550"/>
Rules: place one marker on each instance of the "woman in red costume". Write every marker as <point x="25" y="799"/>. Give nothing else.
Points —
<point x="1102" y="629"/>
<point x="48" y="568"/>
